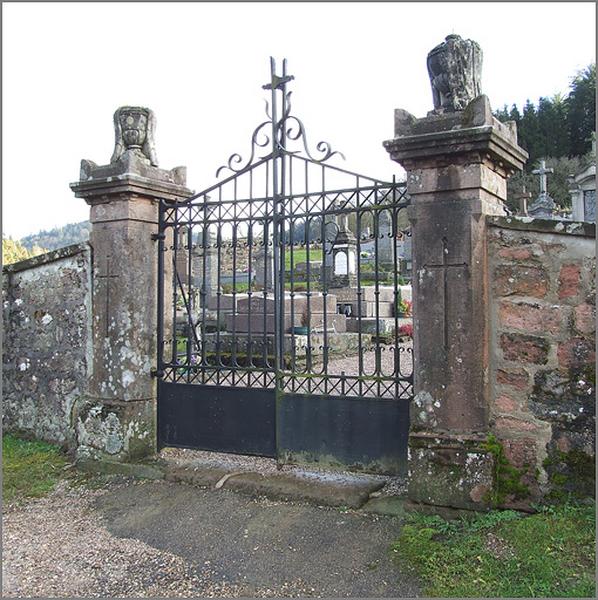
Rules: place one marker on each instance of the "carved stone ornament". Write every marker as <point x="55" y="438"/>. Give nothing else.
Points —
<point x="134" y="128"/>
<point x="455" y="69"/>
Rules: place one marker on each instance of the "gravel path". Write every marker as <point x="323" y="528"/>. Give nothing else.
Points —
<point x="350" y="364"/>
<point x="57" y="547"/>
<point x="144" y="539"/>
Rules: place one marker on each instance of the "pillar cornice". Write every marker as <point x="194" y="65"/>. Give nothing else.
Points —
<point x="124" y="186"/>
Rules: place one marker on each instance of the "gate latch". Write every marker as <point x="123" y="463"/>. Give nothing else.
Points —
<point x="158" y="236"/>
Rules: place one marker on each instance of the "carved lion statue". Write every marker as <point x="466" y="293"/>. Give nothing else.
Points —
<point x="455" y="70"/>
<point x="134" y="128"/>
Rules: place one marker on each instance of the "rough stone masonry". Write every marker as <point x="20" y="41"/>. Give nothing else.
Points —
<point x="543" y="339"/>
<point x="46" y="356"/>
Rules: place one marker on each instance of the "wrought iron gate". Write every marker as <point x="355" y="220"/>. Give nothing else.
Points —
<point x="280" y="332"/>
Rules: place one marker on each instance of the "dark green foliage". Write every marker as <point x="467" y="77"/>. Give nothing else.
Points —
<point x="558" y="126"/>
<point x="503" y="554"/>
<point x="559" y="130"/>
<point x="581" y="111"/>
<point x="59" y="237"/>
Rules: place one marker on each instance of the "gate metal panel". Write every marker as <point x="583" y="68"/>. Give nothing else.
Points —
<point x="222" y="419"/>
<point x="255" y="298"/>
<point x="358" y="433"/>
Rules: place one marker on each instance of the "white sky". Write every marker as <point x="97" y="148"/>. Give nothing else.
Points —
<point x="200" y="67"/>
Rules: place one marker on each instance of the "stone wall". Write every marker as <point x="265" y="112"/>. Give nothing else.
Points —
<point x="46" y="343"/>
<point x="542" y="311"/>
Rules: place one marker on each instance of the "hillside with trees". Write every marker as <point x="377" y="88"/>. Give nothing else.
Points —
<point x="73" y="233"/>
<point x="559" y="129"/>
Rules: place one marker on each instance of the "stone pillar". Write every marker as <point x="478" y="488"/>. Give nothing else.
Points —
<point x="457" y="164"/>
<point x="117" y="419"/>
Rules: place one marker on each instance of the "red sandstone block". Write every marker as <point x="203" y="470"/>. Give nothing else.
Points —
<point x="505" y="404"/>
<point x="532" y="318"/>
<point x="517" y="378"/>
<point x="511" y="425"/>
<point x="515" y="253"/>
<point x="524" y="348"/>
<point x="520" y="452"/>
<point x="576" y="352"/>
<point x="521" y="280"/>
<point x="585" y="318"/>
<point x="569" y="277"/>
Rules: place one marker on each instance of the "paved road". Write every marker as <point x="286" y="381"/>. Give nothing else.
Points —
<point x="260" y="547"/>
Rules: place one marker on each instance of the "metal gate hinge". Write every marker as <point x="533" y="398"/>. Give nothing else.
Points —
<point x="156" y="373"/>
<point x="158" y="236"/>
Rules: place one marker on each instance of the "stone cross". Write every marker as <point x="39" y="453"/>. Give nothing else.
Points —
<point x="523" y="197"/>
<point x="107" y="276"/>
<point x="445" y="266"/>
<point x="542" y="171"/>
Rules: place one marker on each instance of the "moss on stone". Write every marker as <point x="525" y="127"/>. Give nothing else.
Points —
<point x="506" y="477"/>
<point x="570" y="474"/>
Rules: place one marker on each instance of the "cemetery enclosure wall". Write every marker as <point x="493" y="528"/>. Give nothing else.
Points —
<point x="46" y="343"/>
<point x="542" y="312"/>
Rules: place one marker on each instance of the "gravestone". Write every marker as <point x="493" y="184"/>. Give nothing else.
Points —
<point x="330" y="231"/>
<point x="386" y="240"/>
<point x="263" y="267"/>
<point x="583" y="194"/>
<point x="543" y="207"/>
<point x="523" y="200"/>
<point x="256" y="314"/>
<point x="209" y="274"/>
<point x="344" y="254"/>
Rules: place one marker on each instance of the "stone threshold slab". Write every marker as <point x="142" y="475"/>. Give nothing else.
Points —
<point x="298" y="484"/>
<point x="321" y="488"/>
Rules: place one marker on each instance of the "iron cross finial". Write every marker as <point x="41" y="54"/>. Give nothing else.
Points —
<point x="275" y="80"/>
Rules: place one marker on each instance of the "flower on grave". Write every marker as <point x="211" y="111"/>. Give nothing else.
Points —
<point x="405" y="307"/>
<point x="406" y="330"/>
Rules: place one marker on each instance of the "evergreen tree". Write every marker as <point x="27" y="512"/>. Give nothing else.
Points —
<point x="529" y="133"/>
<point x="581" y="111"/>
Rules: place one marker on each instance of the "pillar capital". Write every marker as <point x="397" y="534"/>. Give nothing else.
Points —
<point x="456" y="151"/>
<point x="129" y="178"/>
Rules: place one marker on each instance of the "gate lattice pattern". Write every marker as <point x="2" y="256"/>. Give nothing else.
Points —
<point x="224" y="282"/>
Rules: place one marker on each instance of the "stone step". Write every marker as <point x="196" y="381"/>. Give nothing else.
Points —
<point x="314" y="487"/>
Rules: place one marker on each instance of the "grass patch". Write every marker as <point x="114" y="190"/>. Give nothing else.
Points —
<point x="503" y="553"/>
<point x="300" y="256"/>
<point x="30" y="468"/>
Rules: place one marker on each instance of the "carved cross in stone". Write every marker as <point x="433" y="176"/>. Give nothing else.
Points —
<point x="107" y="276"/>
<point x="445" y="266"/>
<point x="542" y="171"/>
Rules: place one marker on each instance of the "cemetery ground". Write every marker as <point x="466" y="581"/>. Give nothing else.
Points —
<point x="69" y="533"/>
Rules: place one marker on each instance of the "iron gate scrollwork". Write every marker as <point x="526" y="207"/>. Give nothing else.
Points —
<point x="280" y="331"/>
